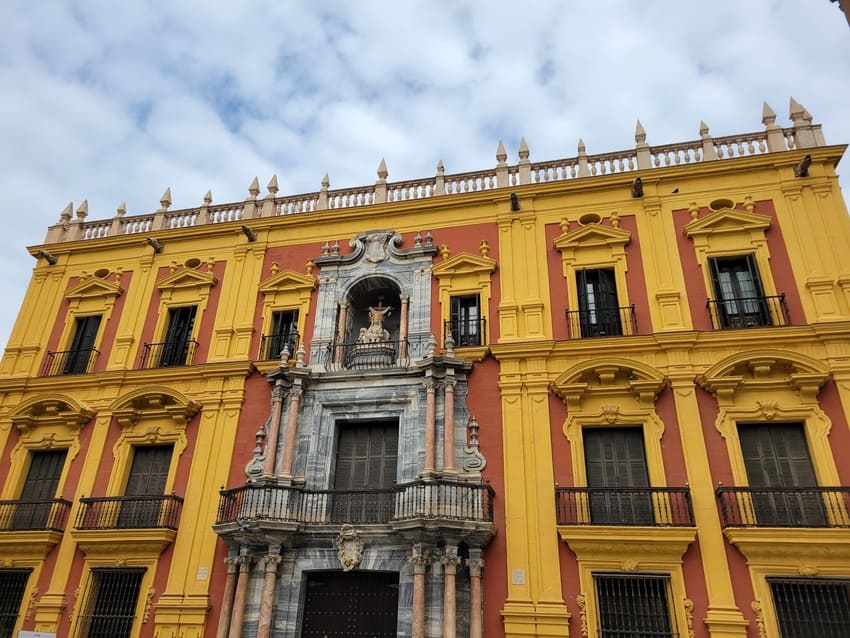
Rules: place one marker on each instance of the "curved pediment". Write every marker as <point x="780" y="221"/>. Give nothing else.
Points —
<point x="464" y="264"/>
<point x="94" y="287"/>
<point x="154" y="402"/>
<point x="288" y="280"/>
<point x="727" y="220"/>
<point x="187" y="278"/>
<point x="51" y="409"/>
<point x="609" y="376"/>
<point x="592" y="235"/>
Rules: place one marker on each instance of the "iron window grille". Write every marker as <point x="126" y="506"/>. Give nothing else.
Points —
<point x="110" y="603"/>
<point x="633" y="606"/>
<point x="13" y="582"/>
<point x="807" y="607"/>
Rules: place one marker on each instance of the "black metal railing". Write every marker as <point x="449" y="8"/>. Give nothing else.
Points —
<point x="69" y="362"/>
<point x="748" y="312"/>
<point x="604" y="322"/>
<point x="168" y="354"/>
<point x="49" y="515"/>
<point x="784" y="506"/>
<point x="419" y="499"/>
<point x="129" y="512"/>
<point x="807" y="607"/>
<point x="271" y="346"/>
<point x="368" y="356"/>
<point x="466" y="333"/>
<point x="653" y="506"/>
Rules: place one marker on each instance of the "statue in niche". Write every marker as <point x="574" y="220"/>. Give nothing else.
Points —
<point x="376" y="333"/>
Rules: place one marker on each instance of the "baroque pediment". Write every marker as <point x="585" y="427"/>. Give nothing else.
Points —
<point x="187" y="278"/>
<point x="727" y="220"/>
<point x="464" y="263"/>
<point x="94" y="287"/>
<point x="592" y="235"/>
<point x="288" y="280"/>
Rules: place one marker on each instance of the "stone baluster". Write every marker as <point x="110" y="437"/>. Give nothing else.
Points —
<point x="430" y="415"/>
<point x="238" y="615"/>
<point x="502" y="179"/>
<point x="403" y="328"/>
<point x="449" y="423"/>
<point x="274" y="429"/>
<point x="420" y="560"/>
<point x="295" y="394"/>
<point x="708" y="150"/>
<point x="644" y="156"/>
<point x="232" y="563"/>
<point x="450" y="562"/>
<point x="476" y="612"/>
<point x="524" y="163"/>
<point x="340" y="331"/>
<point x="270" y="564"/>
<point x="775" y="138"/>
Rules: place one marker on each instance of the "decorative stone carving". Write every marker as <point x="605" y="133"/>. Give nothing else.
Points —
<point x="759" y="612"/>
<point x="349" y="547"/>
<point x="376" y="333"/>
<point x="689" y="616"/>
<point x="148" y="604"/>
<point x="630" y="565"/>
<point x="581" y="601"/>
<point x="474" y="461"/>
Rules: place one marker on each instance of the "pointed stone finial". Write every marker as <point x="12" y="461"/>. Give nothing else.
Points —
<point x="501" y="153"/>
<point x="207" y="198"/>
<point x="581" y="147"/>
<point x="431" y="348"/>
<point x="271" y="187"/>
<point x="165" y="200"/>
<point x="67" y="212"/>
<point x="703" y="128"/>
<point x="254" y="188"/>
<point x="441" y="170"/>
<point x="795" y="110"/>
<point x="450" y="345"/>
<point x="640" y="133"/>
<point x="301" y="356"/>
<point x="309" y="266"/>
<point x="326" y="182"/>
<point x="708" y="150"/>
<point x="121" y="210"/>
<point x="523" y="149"/>
<point x="768" y="115"/>
<point x="83" y="210"/>
<point x="382" y="170"/>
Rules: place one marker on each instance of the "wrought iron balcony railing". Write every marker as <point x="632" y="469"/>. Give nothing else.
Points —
<point x="748" y="312"/>
<point x="471" y="332"/>
<point x="430" y="500"/>
<point x="129" y="512"/>
<point x="653" y="506"/>
<point x="69" y="362"/>
<point x="604" y="322"/>
<point x="49" y="515"/>
<point x="784" y="506"/>
<point x="168" y="354"/>
<point x="271" y="345"/>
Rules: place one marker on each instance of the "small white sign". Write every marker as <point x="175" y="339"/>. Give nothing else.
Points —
<point x="35" y="634"/>
<point x="203" y="573"/>
<point x="518" y="577"/>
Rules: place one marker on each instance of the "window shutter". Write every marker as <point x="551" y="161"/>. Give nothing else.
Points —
<point x="149" y="472"/>
<point x="43" y="476"/>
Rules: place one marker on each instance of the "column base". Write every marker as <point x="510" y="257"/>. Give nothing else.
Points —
<point x="726" y="622"/>
<point x="179" y="615"/>
<point x="535" y="619"/>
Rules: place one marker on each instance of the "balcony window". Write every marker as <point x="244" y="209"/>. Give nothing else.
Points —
<point x="599" y="313"/>
<point x="634" y="606"/>
<point x="466" y="323"/>
<point x="110" y="608"/>
<point x="284" y="333"/>
<point x="808" y="607"/>
<point x="179" y="346"/>
<point x="81" y="355"/>
<point x="13" y="582"/>
<point x="739" y="300"/>
<point x="36" y="505"/>
<point x="365" y="472"/>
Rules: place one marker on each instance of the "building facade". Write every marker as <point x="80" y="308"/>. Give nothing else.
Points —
<point x="606" y="395"/>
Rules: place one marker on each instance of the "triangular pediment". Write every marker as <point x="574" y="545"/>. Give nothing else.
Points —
<point x="727" y="220"/>
<point x="592" y="235"/>
<point x="288" y="280"/>
<point x="94" y="287"/>
<point x="464" y="263"/>
<point x="187" y="278"/>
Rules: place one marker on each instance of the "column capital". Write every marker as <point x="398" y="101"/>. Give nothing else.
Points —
<point x="271" y="562"/>
<point x="430" y="385"/>
<point x="450" y="563"/>
<point x="475" y="565"/>
<point x="449" y="384"/>
<point x="420" y="559"/>
<point x="232" y="563"/>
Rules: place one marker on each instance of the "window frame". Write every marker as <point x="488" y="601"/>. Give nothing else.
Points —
<point x="634" y="576"/>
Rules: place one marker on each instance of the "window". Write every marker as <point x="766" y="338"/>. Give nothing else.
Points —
<point x="465" y="320"/>
<point x="13" y="582"/>
<point x="147" y="480"/>
<point x="633" y="606"/>
<point x="739" y="296"/>
<point x="284" y="332"/>
<point x="617" y="476"/>
<point x="178" y="337"/>
<point x="80" y="355"/>
<point x="811" y="607"/>
<point x="36" y="501"/>
<point x="365" y="474"/>
<point x="779" y="469"/>
<point x="599" y="312"/>
<point x="111" y="603"/>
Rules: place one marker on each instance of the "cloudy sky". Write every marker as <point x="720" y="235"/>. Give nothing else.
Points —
<point x="113" y="101"/>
